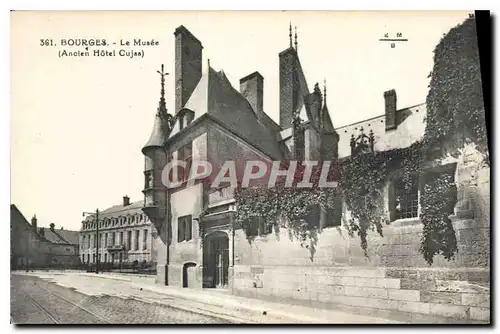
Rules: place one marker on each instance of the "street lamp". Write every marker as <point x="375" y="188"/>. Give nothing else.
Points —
<point x="96" y="235"/>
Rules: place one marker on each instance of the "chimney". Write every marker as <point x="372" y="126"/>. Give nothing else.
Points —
<point x="252" y="88"/>
<point x="126" y="200"/>
<point x="52" y="227"/>
<point x="291" y="92"/>
<point x="188" y="65"/>
<point x="390" y="109"/>
<point x="34" y="222"/>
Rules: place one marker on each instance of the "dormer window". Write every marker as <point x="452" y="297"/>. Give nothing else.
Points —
<point x="185" y="118"/>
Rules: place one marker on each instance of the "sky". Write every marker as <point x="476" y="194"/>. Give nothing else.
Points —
<point x="78" y="124"/>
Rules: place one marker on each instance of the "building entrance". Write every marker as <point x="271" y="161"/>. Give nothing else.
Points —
<point x="215" y="260"/>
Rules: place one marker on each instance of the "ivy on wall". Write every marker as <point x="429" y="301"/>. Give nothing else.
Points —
<point x="455" y="109"/>
<point x="439" y="197"/>
<point x="455" y="116"/>
<point x="362" y="183"/>
<point x="286" y="206"/>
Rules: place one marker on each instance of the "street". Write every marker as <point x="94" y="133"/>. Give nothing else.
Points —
<point x="37" y="301"/>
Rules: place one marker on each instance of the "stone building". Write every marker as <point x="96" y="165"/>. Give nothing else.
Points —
<point x="215" y="122"/>
<point x="42" y="247"/>
<point x="125" y="235"/>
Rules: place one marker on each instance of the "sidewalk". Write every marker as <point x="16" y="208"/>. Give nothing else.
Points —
<point x="245" y="309"/>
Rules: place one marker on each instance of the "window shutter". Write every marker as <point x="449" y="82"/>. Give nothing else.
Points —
<point x="180" y="230"/>
<point x="188" y="226"/>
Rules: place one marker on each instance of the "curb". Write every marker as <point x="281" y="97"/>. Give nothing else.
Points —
<point x="105" y="277"/>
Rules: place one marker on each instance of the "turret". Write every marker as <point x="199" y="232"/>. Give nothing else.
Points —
<point x="155" y="205"/>
<point x="329" y="137"/>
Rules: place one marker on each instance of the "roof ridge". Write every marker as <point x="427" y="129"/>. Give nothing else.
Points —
<point x="381" y="115"/>
<point x="60" y="236"/>
<point x="26" y="222"/>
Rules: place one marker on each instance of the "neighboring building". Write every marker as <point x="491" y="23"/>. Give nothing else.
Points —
<point x="42" y="248"/>
<point x="214" y="122"/>
<point x="125" y="234"/>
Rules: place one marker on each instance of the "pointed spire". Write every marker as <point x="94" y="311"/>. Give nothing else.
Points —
<point x="208" y="63"/>
<point x="162" y="108"/>
<point x="296" y="43"/>
<point x="324" y="90"/>
<point x="290" y="34"/>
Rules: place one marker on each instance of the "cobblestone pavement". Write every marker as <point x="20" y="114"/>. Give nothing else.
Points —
<point x="36" y="301"/>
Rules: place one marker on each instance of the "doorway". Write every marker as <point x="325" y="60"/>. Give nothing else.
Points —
<point x="189" y="275"/>
<point x="215" y="260"/>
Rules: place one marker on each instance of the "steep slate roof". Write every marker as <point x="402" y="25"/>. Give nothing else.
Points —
<point x="56" y="236"/>
<point x="69" y="236"/>
<point x="15" y="213"/>
<point x="410" y="128"/>
<point x="215" y="96"/>
<point x="52" y="236"/>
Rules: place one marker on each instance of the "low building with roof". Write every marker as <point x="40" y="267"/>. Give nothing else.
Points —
<point x="125" y="233"/>
<point x="33" y="247"/>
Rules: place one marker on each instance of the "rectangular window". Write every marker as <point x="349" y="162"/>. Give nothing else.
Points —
<point x="106" y="240"/>
<point x="113" y="236"/>
<point x="129" y="240"/>
<point x="148" y="180"/>
<point x="88" y="258"/>
<point x="137" y="239"/>
<point x="93" y="258"/>
<point x="258" y="226"/>
<point x="313" y="216"/>
<point x="83" y="258"/>
<point x="405" y="200"/>
<point x="184" y="228"/>
<point x="185" y="153"/>
<point x="145" y="240"/>
<point x="105" y="258"/>
<point x="333" y="217"/>
<point x="95" y="241"/>
<point x="121" y="239"/>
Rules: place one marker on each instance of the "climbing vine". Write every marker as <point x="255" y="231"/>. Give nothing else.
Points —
<point x="438" y="201"/>
<point x="287" y="207"/>
<point x="455" y="108"/>
<point x="363" y="179"/>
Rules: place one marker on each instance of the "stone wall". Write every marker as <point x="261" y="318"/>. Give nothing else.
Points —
<point x="392" y="281"/>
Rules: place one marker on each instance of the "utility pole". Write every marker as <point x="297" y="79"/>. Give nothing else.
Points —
<point x="97" y="243"/>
